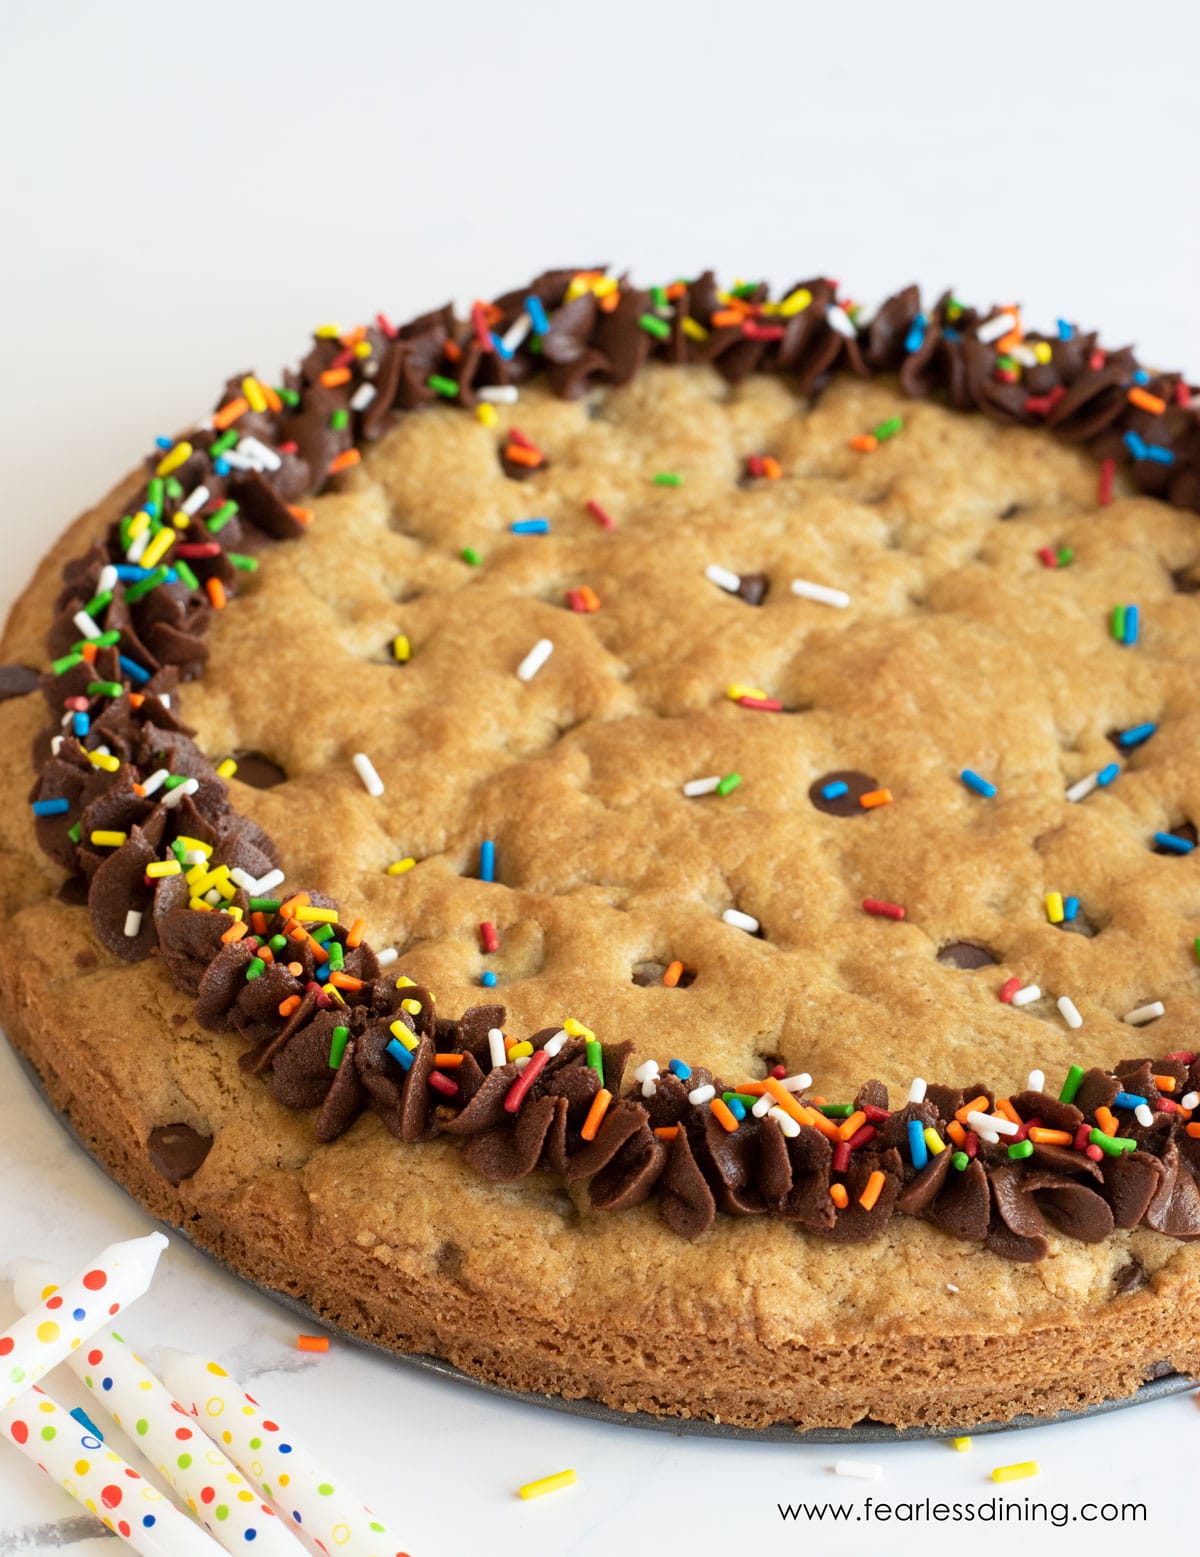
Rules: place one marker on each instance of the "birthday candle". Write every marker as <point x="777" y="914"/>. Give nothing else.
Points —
<point x="208" y="1482"/>
<point x="100" y="1479"/>
<point x="317" y="1502"/>
<point x="41" y="1339"/>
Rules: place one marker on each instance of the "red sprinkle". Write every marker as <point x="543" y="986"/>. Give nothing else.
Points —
<point x="1104" y="491"/>
<point x="386" y="325"/>
<point x="778" y="1072"/>
<point x="1183" y="395"/>
<point x="863" y="1136"/>
<point x="1096" y="361"/>
<point x="769" y="705"/>
<point x="1049" y="556"/>
<point x="762" y="332"/>
<point x="1082" y="1136"/>
<point x="290" y="447"/>
<point x="1008" y="989"/>
<point x="876" y="1115"/>
<point x="488" y="937"/>
<point x="198" y="549"/>
<point x="480" y="326"/>
<point x="520" y="1087"/>
<point x="754" y="465"/>
<point x="1183" y="1056"/>
<point x="882" y="910"/>
<point x="515" y="435"/>
<point x="841" y="1157"/>
<point x="971" y="1144"/>
<point x="1094" y="1153"/>
<point x="598" y="514"/>
<point x="443" y="1083"/>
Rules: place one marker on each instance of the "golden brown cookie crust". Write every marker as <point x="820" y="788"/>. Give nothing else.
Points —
<point x="960" y="650"/>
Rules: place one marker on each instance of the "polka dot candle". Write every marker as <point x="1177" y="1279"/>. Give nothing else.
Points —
<point x="205" y="1479"/>
<point x="55" y="1328"/>
<point x="316" y="1502"/>
<point x="100" y="1479"/>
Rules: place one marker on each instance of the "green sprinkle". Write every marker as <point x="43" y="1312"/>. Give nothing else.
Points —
<point x="1196" y="947"/>
<point x="123" y="531"/>
<point x="658" y="296"/>
<point x="145" y="585"/>
<point x="341" y="1036"/>
<point x="98" y="602"/>
<point x="154" y="494"/>
<point x="595" y="1058"/>
<point x="186" y="574"/>
<point x="255" y="969"/>
<point x="888" y="429"/>
<point x="746" y="1099"/>
<point x="1065" y="556"/>
<point x="222" y="517"/>
<point x="1118" y="623"/>
<point x="836" y="1110"/>
<point x="242" y="562"/>
<point x="443" y="386"/>
<point x="667" y="478"/>
<point x="729" y="783"/>
<point x="68" y="662"/>
<point x="1110" y="1145"/>
<point x="1007" y="363"/>
<point x="1020" y="1149"/>
<point x="534" y="344"/>
<point x="178" y="850"/>
<point x="174" y="489"/>
<point x="278" y="943"/>
<point x="101" y="640"/>
<point x="339" y="420"/>
<point x="173" y="780"/>
<point x="104" y="689"/>
<point x="954" y="309"/>
<point x="74" y="833"/>
<point x="265" y="905"/>
<point x="225" y="441"/>
<point x="469" y="554"/>
<point x="652" y="325"/>
<point x="961" y="1161"/>
<point x="288" y="396"/>
<point x="336" y="957"/>
<point x="745" y="289"/>
<point x="322" y="932"/>
<point x="1071" y="1085"/>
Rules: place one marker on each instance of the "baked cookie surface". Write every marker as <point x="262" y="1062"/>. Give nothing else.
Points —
<point x="959" y="650"/>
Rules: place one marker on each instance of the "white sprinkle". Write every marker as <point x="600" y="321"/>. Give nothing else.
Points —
<point x="1143" y="1115"/>
<point x="107" y="579"/>
<point x="994" y="1124"/>
<point x="992" y="329"/>
<point x="173" y="797"/>
<point x="702" y="1095"/>
<point x="1190" y="1100"/>
<point x="365" y="769"/>
<point x="86" y="625"/>
<point x="916" y="1092"/>
<point x="133" y="552"/>
<point x="496" y="1046"/>
<point x="1036" y="1081"/>
<point x="362" y="397"/>
<point x="66" y="718"/>
<point x="555" y="1045"/>
<point x="704" y="786"/>
<point x="716" y="574"/>
<point x="763" y="1107"/>
<point x="194" y="857"/>
<point x="498" y="394"/>
<point x="1024" y="355"/>
<point x="535" y="659"/>
<point x="243" y="878"/>
<point x="165" y="699"/>
<point x="194" y="501"/>
<point x="864" y="1470"/>
<point x="254" y="454"/>
<point x="56" y="745"/>
<point x="1026" y="996"/>
<point x="865" y="316"/>
<point x="263" y="885"/>
<point x="522" y="1062"/>
<point x="1145" y="1014"/>
<point x="820" y="592"/>
<point x="650" y="1087"/>
<point x="103" y="750"/>
<point x="1070" y="1011"/>
<point x="784" y="1120"/>
<point x="133" y="922"/>
<point x="387" y="956"/>
<point x="646" y="1071"/>
<point x="838" y="319"/>
<point x="1083" y="788"/>
<point x="212" y="896"/>
<point x="798" y="1082"/>
<point x="740" y="921"/>
<point x="517" y="332"/>
<point x="950" y="1287"/>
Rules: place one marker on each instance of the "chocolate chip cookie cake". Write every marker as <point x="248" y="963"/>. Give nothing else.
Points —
<point x="644" y="842"/>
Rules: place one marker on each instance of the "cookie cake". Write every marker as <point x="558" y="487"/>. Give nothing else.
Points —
<point x="643" y="842"/>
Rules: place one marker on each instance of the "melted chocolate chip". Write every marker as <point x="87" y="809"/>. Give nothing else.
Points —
<point x="647" y="973"/>
<point x="753" y="587"/>
<point x="258" y="770"/>
<point x="1130" y="1278"/>
<point x="966" y="955"/>
<point x="17" y="681"/>
<point x="1010" y="512"/>
<point x="846" y="804"/>
<point x="177" y="1151"/>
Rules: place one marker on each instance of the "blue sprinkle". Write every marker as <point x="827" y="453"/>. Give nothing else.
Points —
<point x="915" y="338"/>
<point x="737" y="1108"/>
<point x="151" y="508"/>
<point x="501" y="349"/>
<point x="81" y="724"/>
<point x="1140" y="376"/>
<point x="1132" y="623"/>
<point x="488" y="979"/>
<point x="1106" y="775"/>
<point x="1135" y="445"/>
<point x="917" y="1148"/>
<point x="1159" y="454"/>
<point x="86" y="1423"/>
<point x="221" y="466"/>
<point x="1172" y="844"/>
<point x="1135" y="736"/>
<point x="951" y="334"/>
<point x="1066" y="332"/>
<point x="404" y="1059"/>
<point x="51" y="807"/>
<point x="136" y="673"/>
<point x="130" y="573"/>
<point x="1128" y="1100"/>
<point x="537" y="315"/>
<point x="165" y="443"/>
<point x="1070" y="909"/>
<point x="531" y="527"/>
<point x="323" y="971"/>
<point x="835" y="791"/>
<point x="487" y="860"/>
<point x="981" y="786"/>
<point x="678" y="1068"/>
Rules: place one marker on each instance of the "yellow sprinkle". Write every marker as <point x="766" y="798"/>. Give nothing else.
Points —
<point x="138" y="523"/>
<point x="164" y="868"/>
<point x="363" y="349"/>
<point x="736" y="689"/>
<point x="199" y="877"/>
<point x="1042" y="351"/>
<point x="105" y="760"/>
<point x="693" y="329"/>
<point x="520" y="1050"/>
<point x="795" y="302"/>
<point x="537" y="1489"/>
<point x="180" y="521"/>
<point x="413" y="1007"/>
<point x="604" y="286"/>
<point x="398" y="867"/>
<point x="577" y="1029"/>
<point x="1019" y="1472"/>
<point x="173" y="459"/>
<point x="106" y="838"/>
<point x="961" y="1444"/>
<point x="398" y="1030"/>
<point x="252" y="390"/>
<point x="934" y="1141"/>
<point x="317" y="915"/>
<point x="194" y="845"/>
<point x="227" y="768"/>
<point x="198" y="902"/>
<point x="401" y="648"/>
<point x="234" y="912"/>
<point x="327" y="332"/>
<point x="486" y="413"/>
<point x="404" y="982"/>
<point x="226" y="888"/>
<point x="158" y="548"/>
<point x="1054" y="907"/>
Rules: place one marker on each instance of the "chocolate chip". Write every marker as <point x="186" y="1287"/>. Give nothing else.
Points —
<point x="1011" y="511"/>
<point x="258" y="771"/>
<point x="17" y="681"/>
<point x="845" y="804"/>
<point x="753" y="588"/>
<point x="74" y="891"/>
<point x="1186" y="580"/>
<point x="963" y="954"/>
<point x="177" y="1151"/>
<point x="1159" y="1370"/>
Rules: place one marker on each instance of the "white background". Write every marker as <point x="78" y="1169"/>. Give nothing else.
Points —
<point x="185" y="190"/>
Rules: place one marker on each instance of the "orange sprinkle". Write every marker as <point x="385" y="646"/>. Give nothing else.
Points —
<point x="1145" y="401"/>
<point x="492" y="314"/>
<point x="288" y="910"/>
<point x="1164" y="1083"/>
<point x="1107" y="1120"/>
<point x="588" y="598"/>
<point x="332" y="377"/>
<point x="752" y="1088"/>
<point x="669" y="1132"/>
<point x="258" y="922"/>
<point x="596" y="1113"/>
<point x="725" y="316"/>
<point x="448" y="1061"/>
<point x="301" y="515"/>
<point x="786" y="1101"/>
<point x="89" y="653"/>
<point x="355" y="934"/>
<point x="771" y="468"/>
<point x="317" y="950"/>
<point x="1004" y="1107"/>
<point x="288" y="1006"/>
<point x="295" y="969"/>
<point x="352" y="337"/>
<point x="676" y="290"/>
<point x="274" y="403"/>
<point x="345" y="981"/>
<point x="873" y="1190"/>
<point x="136" y="699"/>
<point x="1041" y="1137"/>
<point x="851" y="1125"/>
<point x="609" y="301"/>
<point x="344" y="461"/>
<point x="229" y="412"/>
<point x="956" y="1133"/>
<point x="312" y="1343"/>
<point x="516" y="455"/>
<point x="235" y="932"/>
<point x="266" y="954"/>
<point x="216" y="593"/>
<point x="723" y="1114"/>
<point x="978" y="1106"/>
<point x="453" y="350"/>
<point x="1194" y="1131"/>
<point x="864" y="443"/>
<point x="839" y="1196"/>
<point x="1007" y="342"/>
<point x="875" y="797"/>
<point x="672" y="976"/>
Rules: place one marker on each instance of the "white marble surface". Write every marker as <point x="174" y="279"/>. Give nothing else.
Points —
<point x="187" y="192"/>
